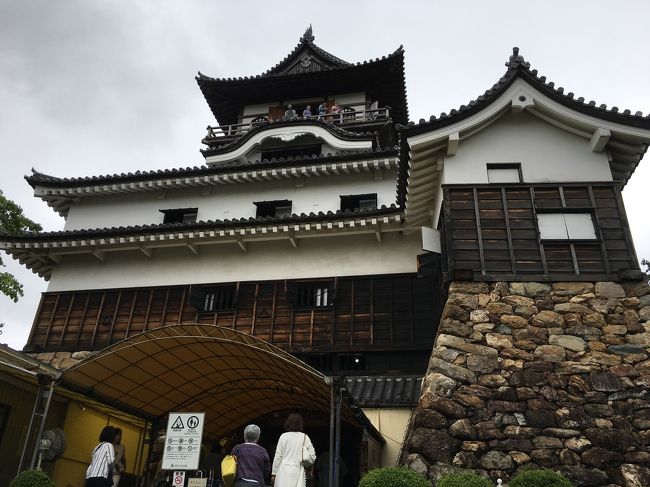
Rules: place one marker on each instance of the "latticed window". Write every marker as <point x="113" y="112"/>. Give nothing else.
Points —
<point x="311" y="294"/>
<point x="213" y="298"/>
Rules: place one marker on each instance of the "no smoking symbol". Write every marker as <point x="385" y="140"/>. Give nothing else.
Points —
<point x="193" y="422"/>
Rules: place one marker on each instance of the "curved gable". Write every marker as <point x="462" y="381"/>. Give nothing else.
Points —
<point x="327" y="133"/>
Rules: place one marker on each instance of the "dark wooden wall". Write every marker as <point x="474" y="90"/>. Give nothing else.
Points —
<point x="369" y="313"/>
<point x="490" y="233"/>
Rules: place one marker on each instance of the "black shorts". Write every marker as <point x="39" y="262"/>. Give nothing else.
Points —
<point x="99" y="482"/>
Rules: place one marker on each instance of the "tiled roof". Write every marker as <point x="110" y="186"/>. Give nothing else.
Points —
<point x="201" y="225"/>
<point x="385" y="391"/>
<point x="41" y="179"/>
<point x="518" y="67"/>
<point x="306" y="41"/>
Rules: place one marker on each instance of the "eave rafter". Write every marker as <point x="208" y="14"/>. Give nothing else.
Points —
<point x="43" y="256"/>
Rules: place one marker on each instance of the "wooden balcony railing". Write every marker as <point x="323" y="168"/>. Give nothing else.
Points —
<point x="346" y="116"/>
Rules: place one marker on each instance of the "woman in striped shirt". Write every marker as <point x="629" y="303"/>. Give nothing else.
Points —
<point x="100" y="470"/>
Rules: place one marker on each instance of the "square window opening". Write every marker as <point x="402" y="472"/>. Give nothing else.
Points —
<point x="311" y="295"/>
<point x="359" y="202"/>
<point x="566" y="226"/>
<point x="273" y="209"/>
<point x="211" y="299"/>
<point x="180" y="215"/>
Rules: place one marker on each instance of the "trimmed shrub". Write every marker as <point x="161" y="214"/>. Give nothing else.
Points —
<point x="393" y="477"/>
<point x="32" y="478"/>
<point x="463" y="480"/>
<point x="539" y="478"/>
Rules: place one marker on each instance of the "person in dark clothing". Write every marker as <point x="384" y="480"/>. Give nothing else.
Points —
<point x="253" y="465"/>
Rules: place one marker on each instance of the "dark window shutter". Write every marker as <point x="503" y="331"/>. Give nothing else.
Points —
<point x="197" y="297"/>
<point x="291" y="291"/>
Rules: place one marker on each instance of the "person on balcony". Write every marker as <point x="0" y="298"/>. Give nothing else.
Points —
<point x="322" y="110"/>
<point x="335" y="110"/>
<point x="290" y="114"/>
<point x="374" y="107"/>
<point x="306" y="113"/>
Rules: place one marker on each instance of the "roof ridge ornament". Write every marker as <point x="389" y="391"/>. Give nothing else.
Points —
<point x="308" y="36"/>
<point x="516" y="60"/>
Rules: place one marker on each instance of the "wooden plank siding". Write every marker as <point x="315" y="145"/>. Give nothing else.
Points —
<point x="369" y="313"/>
<point x="491" y="233"/>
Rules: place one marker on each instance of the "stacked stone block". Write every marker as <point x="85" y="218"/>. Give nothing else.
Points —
<point x="551" y="375"/>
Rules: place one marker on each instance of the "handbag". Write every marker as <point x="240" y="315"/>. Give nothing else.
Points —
<point x="229" y="470"/>
<point x="307" y="457"/>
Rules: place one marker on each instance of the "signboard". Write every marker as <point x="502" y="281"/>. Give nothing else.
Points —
<point x="183" y="441"/>
<point x="194" y="482"/>
<point x="178" y="479"/>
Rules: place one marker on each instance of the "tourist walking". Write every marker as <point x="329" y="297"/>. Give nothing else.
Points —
<point x="100" y="470"/>
<point x="253" y="465"/>
<point x="293" y="453"/>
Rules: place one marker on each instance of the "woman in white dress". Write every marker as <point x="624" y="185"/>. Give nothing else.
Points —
<point x="288" y="469"/>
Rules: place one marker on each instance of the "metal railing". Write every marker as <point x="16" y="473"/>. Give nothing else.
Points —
<point x="345" y="116"/>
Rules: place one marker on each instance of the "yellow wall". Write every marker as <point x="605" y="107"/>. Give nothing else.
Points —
<point x="82" y="427"/>
<point x="392" y="424"/>
<point x="19" y="395"/>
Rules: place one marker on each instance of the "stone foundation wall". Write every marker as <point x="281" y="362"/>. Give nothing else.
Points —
<point x="61" y="360"/>
<point x="552" y="375"/>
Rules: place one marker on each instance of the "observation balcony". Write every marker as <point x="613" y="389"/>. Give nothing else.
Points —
<point x="347" y="118"/>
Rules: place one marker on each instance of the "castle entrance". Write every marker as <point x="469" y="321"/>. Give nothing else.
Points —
<point x="234" y="378"/>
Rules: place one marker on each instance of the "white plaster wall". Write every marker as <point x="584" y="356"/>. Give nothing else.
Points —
<point x="227" y="202"/>
<point x="392" y="424"/>
<point x="546" y="153"/>
<point x="314" y="257"/>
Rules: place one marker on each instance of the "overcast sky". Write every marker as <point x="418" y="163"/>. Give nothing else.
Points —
<point x="101" y="87"/>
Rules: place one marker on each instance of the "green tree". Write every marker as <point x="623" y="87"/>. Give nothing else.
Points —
<point x="13" y="222"/>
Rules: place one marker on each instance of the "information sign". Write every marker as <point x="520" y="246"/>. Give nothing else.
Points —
<point x="183" y="441"/>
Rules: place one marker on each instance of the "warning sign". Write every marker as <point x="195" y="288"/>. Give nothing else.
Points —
<point x="178" y="480"/>
<point x="183" y="441"/>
